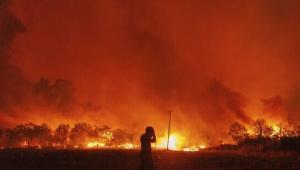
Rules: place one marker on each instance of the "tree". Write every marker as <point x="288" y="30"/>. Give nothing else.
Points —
<point x="2" y="137"/>
<point x="61" y="134"/>
<point x="80" y="133"/>
<point x="17" y="136"/>
<point x="238" y="132"/>
<point x="31" y="134"/>
<point x="41" y="135"/>
<point x="104" y="134"/>
<point x="120" y="137"/>
<point x="289" y="130"/>
<point x="262" y="129"/>
<point x="1" y="132"/>
<point x="298" y="130"/>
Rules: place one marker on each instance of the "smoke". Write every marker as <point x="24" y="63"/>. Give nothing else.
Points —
<point x="59" y="94"/>
<point x="273" y="104"/>
<point x="13" y="84"/>
<point x="273" y="108"/>
<point x="291" y="107"/>
<point x="18" y="95"/>
<point x="228" y="101"/>
<point x="128" y="63"/>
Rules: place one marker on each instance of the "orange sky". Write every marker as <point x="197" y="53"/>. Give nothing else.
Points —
<point x="135" y="60"/>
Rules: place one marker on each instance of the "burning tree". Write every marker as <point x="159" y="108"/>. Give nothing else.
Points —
<point x="120" y="137"/>
<point x="104" y="133"/>
<point x="266" y="136"/>
<point x="262" y="129"/>
<point x="238" y="132"/>
<point x="81" y="133"/>
<point x="288" y="130"/>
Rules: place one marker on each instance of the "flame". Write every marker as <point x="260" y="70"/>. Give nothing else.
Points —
<point x="194" y="148"/>
<point x="191" y="149"/>
<point x="108" y="135"/>
<point x="176" y="142"/>
<point x="25" y="144"/>
<point x="95" y="144"/>
<point x="202" y="146"/>
<point x="127" y="146"/>
<point x="276" y="129"/>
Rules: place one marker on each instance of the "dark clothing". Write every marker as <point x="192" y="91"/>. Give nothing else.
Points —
<point x="146" y="158"/>
<point x="145" y="144"/>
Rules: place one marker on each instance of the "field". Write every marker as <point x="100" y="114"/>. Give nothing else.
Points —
<point x="22" y="159"/>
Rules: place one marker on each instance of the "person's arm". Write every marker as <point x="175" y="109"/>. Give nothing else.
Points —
<point x="153" y="139"/>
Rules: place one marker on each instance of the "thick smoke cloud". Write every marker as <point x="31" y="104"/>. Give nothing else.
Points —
<point x="60" y="93"/>
<point x="19" y="97"/>
<point x="229" y="101"/>
<point x="210" y="62"/>
<point x="13" y="84"/>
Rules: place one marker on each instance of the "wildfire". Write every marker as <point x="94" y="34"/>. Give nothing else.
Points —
<point x="95" y="144"/>
<point x="194" y="148"/>
<point x="202" y="146"/>
<point x="108" y="135"/>
<point x="85" y="136"/>
<point x="177" y="142"/>
<point x="276" y="129"/>
<point x="191" y="149"/>
<point x="25" y="144"/>
<point x="127" y="146"/>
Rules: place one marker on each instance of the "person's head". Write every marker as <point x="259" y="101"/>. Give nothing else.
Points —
<point x="149" y="131"/>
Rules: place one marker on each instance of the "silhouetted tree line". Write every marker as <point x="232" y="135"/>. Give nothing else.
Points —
<point x="33" y="135"/>
<point x="264" y="136"/>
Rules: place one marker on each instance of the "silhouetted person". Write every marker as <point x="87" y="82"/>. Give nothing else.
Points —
<point x="146" y="157"/>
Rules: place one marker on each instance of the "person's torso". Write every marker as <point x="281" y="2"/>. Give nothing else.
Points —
<point x="145" y="144"/>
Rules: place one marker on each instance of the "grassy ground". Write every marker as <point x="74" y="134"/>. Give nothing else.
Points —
<point x="129" y="160"/>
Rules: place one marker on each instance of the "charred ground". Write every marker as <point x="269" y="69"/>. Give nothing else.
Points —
<point x="128" y="159"/>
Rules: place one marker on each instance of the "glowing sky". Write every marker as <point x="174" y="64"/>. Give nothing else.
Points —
<point x="211" y="62"/>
